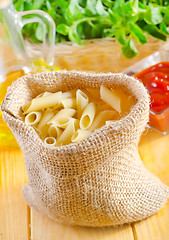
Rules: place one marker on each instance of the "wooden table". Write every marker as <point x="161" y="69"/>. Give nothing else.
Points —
<point x="19" y="222"/>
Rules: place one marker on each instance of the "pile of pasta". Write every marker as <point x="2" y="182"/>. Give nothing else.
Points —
<point x="68" y="117"/>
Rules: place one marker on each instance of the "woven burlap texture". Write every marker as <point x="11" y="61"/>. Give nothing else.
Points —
<point x="100" y="181"/>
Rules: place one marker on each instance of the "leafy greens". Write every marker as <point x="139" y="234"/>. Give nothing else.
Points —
<point x="124" y="20"/>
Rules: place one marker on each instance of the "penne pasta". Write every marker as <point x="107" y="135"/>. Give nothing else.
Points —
<point x="88" y="116"/>
<point x="81" y="102"/>
<point x="65" y="137"/>
<point x="54" y="131"/>
<point x="79" y="135"/>
<point x="111" y="98"/>
<point x="67" y="112"/>
<point x="64" y="121"/>
<point x="44" y="131"/>
<point x="58" y="106"/>
<point x="43" y="94"/>
<point x="66" y="95"/>
<point x="42" y="102"/>
<point x="69" y="103"/>
<point x="73" y="115"/>
<point x="48" y="114"/>
<point x="50" y="141"/>
<point x="77" y="124"/>
<point x="33" y="118"/>
<point x="101" y="118"/>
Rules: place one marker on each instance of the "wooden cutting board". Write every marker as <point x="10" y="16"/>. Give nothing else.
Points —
<point x="19" y="222"/>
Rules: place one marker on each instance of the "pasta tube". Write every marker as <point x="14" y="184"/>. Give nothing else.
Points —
<point x="64" y="121"/>
<point x="101" y="118"/>
<point x="65" y="137"/>
<point x="59" y="105"/>
<point x="50" y="141"/>
<point x="81" y="102"/>
<point x="33" y="118"/>
<point x="42" y="102"/>
<point x="48" y="114"/>
<point x="69" y="103"/>
<point x="43" y="94"/>
<point x="54" y="131"/>
<point x="71" y="116"/>
<point x="66" y="95"/>
<point x="67" y="112"/>
<point x="44" y="131"/>
<point x="111" y="98"/>
<point x="88" y="116"/>
<point x="79" y="135"/>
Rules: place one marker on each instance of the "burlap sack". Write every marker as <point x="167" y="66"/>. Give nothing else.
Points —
<point x="99" y="181"/>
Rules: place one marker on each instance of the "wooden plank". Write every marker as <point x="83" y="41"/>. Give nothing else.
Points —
<point x="155" y="227"/>
<point x="154" y="150"/>
<point x="14" y="213"/>
<point x="43" y="228"/>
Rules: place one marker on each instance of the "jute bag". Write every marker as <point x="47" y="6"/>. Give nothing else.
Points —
<point x="99" y="181"/>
